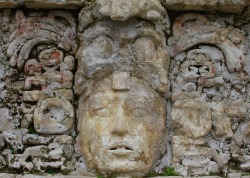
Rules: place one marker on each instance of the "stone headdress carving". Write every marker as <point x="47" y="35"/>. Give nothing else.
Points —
<point x="150" y="10"/>
<point x="111" y="56"/>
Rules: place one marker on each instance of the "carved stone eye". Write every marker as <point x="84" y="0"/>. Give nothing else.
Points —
<point x="145" y="49"/>
<point x="138" y="112"/>
<point x="102" y="47"/>
<point x="102" y="112"/>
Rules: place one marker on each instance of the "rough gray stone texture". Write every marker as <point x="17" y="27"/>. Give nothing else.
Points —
<point x="198" y="62"/>
<point x="38" y="4"/>
<point x="38" y="176"/>
<point x="233" y="6"/>
<point x="61" y="176"/>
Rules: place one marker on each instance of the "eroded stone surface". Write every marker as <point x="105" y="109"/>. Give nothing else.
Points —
<point x="6" y="120"/>
<point x="147" y="93"/>
<point x="229" y="40"/>
<point x="125" y="111"/>
<point x="37" y="4"/>
<point x="207" y="5"/>
<point x="126" y="142"/>
<point x="121" y="11"/>
<point x="54" y="116"/>
<point x="192" y="118"/>
<point x="183" y="5"/>
<point x="210" y="73"/>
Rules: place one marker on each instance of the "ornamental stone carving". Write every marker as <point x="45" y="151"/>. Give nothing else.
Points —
<point x="124" y="87"/>
<point x="122" y="79"/>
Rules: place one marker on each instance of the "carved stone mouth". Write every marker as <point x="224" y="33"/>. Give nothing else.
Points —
<point x="120" y="150"/>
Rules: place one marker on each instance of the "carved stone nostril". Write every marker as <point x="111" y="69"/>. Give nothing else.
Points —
<point x="127" y="148"/>
<point x="113" y="148"/>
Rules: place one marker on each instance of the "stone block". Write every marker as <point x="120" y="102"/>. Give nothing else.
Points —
<point x="234" y="175"/>
<point x="48" y="4"/>
<point x="52" y="4"/>
<point x="206" y="5"/>
<point x="25" y="176"/>
<point x="3" y="175"/>
<point x="76" y="177"/>
<point x="33" y="96"/>
<point x="5" y="120"/>
<point x="121" y="81"/>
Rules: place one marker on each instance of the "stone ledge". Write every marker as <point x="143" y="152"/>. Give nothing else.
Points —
<point x="39" y="176"/>
<point x="48" y="4"/>
<point x="232" y="6"/>
<point x="3" y="175"/>
<point x="62" y="176"/>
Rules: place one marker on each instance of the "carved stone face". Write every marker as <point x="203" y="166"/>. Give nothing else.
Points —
<point x="122" y="132"/>
<point x="121" y="116"/>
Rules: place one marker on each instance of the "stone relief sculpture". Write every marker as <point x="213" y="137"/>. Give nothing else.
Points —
<point x="39" y="48"/>
<point x="122" y="82"/>
<point x="205" y="92"/>
<point x="125" y="90"/>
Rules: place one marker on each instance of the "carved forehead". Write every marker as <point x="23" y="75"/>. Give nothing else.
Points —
<point x="121" y="31"/>
<point x="138" y="88"/>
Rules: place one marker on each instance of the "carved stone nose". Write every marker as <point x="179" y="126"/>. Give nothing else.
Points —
<point x="120" y="126"/>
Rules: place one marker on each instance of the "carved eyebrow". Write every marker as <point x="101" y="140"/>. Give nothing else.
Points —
<point x="94" y="32"/>
<point x="102" y="30"/>
<point x="138" y="99"/>
<point x="149" y="32"/>
<point x="100" y="101"/>
<point x="135" y="103"/>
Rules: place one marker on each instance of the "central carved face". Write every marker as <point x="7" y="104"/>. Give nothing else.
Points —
<point x="122" y="69"/>
<point x="122" y="131"/>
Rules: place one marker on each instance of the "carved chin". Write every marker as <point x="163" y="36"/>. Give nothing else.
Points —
<point x="120" y="162"/>
<point x="119" y="159"/>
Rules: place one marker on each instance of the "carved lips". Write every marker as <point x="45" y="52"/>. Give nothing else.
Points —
<point x="120" y="149"/>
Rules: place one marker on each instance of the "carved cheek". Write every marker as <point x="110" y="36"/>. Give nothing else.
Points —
<point x="102" y="47"/>
<point x="145" y="49"/>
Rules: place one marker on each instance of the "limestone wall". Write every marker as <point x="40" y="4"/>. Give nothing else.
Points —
<point x="125" y="88"/>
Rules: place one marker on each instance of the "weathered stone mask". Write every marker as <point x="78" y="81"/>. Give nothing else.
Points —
<point x="122" y="132"/>
<point x="122" y="82"/>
